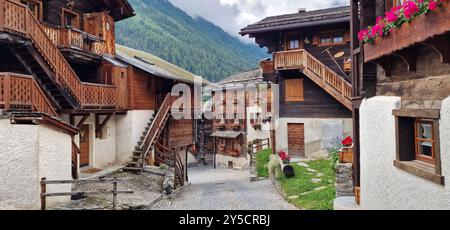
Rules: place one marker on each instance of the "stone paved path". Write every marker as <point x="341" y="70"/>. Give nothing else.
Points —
<point x="224" y="189"/>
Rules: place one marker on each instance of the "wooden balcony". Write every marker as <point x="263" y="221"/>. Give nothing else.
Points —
<point x="71" y="38"/>
<point x="22" y="92"/>
<point x="318" y="72"/>
<point x="427" y="29"/>
<point x="16" y="19"/>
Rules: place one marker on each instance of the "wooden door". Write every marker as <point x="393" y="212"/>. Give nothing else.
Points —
<point x="296" y="139"/>
<point x="92" y="23"/>
<point x="84" y="145"/>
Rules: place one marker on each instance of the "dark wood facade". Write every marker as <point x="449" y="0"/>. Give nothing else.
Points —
<point x="315" y="51"/>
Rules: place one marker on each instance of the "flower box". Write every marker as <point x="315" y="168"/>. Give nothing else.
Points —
<point x="422" y="28"/>
<point x="346" y="155"/>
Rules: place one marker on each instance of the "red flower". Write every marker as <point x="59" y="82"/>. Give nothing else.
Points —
<point x="347" y="141"/>
<point x="283" y="156"/>
<point x="362" y="34"/>
<point x="433" y="5"/>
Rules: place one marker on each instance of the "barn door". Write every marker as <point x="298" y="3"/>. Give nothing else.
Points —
<point x="296" y="139"/>
<point x="84" y="145"/>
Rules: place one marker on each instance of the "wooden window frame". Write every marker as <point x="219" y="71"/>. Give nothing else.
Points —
<point x="288" y="39"/>
<point x="417" y="140"/>
<point x="302" y="90"/>
<point x="407" y="157"/>
<point x="39" y="11"/>
<point x="332" y="35"/>
<point x="65" y="11"/>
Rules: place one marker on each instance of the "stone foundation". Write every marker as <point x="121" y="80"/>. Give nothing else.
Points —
<point x="344" y="180"/>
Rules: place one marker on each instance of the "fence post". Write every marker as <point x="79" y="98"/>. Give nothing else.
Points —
<point x="115" y="193"/>
<point x="43" y="190"/>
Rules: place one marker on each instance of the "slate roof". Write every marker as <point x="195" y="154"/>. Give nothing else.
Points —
<point x="250" y="76"/>
<point x="155" y="65"/>
<point x="226" y="134"/>
<point x="300" y="19"/>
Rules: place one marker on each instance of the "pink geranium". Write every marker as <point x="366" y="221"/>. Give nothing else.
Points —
<point x="433" y="5"/>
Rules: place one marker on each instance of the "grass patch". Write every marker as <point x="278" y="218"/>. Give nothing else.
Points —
<point x="306" y="193"/>
<point x="262" y="159"/>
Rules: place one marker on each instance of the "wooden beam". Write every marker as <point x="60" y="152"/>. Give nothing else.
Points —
<point x="386" y="64"/>
<point x="100" y="125"/>
<point x="81" y="122"/>
<point x="442" y="45"/>
<point x="409" y="57"/>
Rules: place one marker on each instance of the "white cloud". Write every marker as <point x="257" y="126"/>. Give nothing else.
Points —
<point x="232" y="15"/>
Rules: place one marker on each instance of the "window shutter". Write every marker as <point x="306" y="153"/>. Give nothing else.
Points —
<point x="347" y="36"/>
<point x="294" y="90"/>
<point x="315" y="40"/>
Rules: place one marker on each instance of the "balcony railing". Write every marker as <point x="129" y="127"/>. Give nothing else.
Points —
<point x="421" y="29"/>
<point x="97" y="95"/>
<point x="72" y="38"/>
<point x="321" y="74"/>
<point x="22" y="92"/>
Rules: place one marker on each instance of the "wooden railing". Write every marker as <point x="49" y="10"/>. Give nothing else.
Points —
<point x="22" y="92"/>
<point x="171" y="158"/>
<point x="15" y="18"/>
<point x="317" y="71"/>
<point x="75" y="39"/>
<point x="157" y="126"/>
<point x="99" y="95"/>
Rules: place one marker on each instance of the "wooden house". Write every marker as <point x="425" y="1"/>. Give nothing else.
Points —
<point x="241" y="102"/>
<point x="311" y="51"/>
<point x="401" y="106"/>
<point x="59" y="62"/>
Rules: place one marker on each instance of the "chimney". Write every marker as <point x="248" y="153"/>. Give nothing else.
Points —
<point x="302" y="10"/>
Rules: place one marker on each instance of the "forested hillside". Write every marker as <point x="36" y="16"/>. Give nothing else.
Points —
<point x="191" y="43"/>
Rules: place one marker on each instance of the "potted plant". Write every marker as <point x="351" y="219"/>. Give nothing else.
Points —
<point x="346" y="152"/>
<point x="284" y="157"/>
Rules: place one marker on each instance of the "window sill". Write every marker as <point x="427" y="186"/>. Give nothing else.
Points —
<point x="420" y="169"/>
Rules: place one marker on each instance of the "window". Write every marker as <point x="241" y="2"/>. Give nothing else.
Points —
<point x="70" y="19"/>
<point x="417" y="139"/>
<point x="393" y="3"/>
<point x="293" y="41"/>
<point x="294" y="90"/>
<point x="424" y="140"/>
<point x="331" y="38"/>
<point x="34" y="6"/>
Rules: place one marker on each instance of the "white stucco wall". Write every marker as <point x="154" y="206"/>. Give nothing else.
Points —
<point x="384" y="186"/>
<point x="129" y="130"/>
<point x="238" y="162"/>
<point x="313" y="133"/>
<point x="28" y="153"/>
<point x="252" y="133"/>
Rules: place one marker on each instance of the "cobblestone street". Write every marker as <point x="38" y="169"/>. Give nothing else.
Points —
<point x="224" y="189"/>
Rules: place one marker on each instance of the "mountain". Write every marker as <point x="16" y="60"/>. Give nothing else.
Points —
<point x="194" y="44"/>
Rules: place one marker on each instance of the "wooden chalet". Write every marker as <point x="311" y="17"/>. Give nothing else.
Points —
<point x="59" y="57"/>
<point x="400" y="107"/>
<point x="311" y="64"/>
<point x="231" y="130"/>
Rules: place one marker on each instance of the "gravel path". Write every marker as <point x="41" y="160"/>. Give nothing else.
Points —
<point x="224" y="189"/>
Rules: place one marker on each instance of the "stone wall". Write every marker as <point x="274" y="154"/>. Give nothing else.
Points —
<point x="344" y="180"/>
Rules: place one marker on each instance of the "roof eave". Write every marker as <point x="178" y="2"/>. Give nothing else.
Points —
<point x="245" y="31"/>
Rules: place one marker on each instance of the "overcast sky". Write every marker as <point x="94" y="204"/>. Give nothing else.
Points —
<point x="232" y="15"/>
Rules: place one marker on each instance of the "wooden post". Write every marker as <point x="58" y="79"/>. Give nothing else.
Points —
<point x="2" y="15"/>
<point x="7" y="92"/>
<point x="43" y="190"/>
<point x="115" y="193"/>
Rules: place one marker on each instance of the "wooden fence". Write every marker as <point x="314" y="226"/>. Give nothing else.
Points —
<point x="114" y="191"/>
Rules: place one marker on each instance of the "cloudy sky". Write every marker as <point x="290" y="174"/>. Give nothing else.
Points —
<point x="232" y="15"/>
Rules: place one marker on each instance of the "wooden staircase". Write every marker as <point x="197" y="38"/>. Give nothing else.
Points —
<point x="150" y="136"/>
<point x="318" y="72"/>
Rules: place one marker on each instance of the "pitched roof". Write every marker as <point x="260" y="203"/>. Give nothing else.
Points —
<point x="156" y="66"/>
<point x="300" y="19"/>
<point x="247" y="77"/>
<point x="226" y="134"/>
